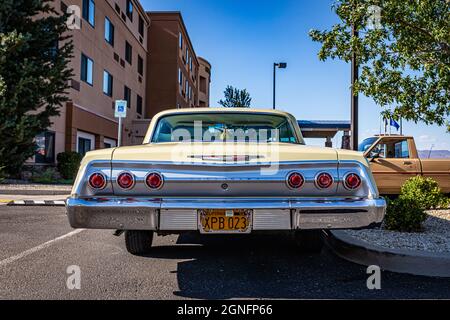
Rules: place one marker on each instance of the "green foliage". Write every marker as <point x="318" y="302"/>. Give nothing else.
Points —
<point x="425" y="191"/>
<point x="2" y="174"/>
<point x="48" y="176"/>
<point x="405" y="60"/>
<point x="235" y="98"/>
<point x="407" y="212"/>
<point x="68" y="164"/>
<point x="34" y="75"/>
<point x="404" y="215"/>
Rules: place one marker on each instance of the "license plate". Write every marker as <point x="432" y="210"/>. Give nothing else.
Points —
<point x="225" y="221"/>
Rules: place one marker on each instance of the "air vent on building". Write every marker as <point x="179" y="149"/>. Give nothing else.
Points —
<point x="75" y="85"/>
<point x="122" y="63"/>
<point x="117" y="8"/>
<point x="116" y="57"/>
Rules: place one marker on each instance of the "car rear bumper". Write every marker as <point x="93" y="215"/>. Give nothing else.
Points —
<point x="181" y="214"/>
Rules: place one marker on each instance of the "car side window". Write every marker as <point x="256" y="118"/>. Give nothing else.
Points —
<point x="402" y="150"/>
<point x="379" y="151"/>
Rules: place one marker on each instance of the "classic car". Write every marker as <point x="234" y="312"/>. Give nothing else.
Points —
<point x="394" y="159"/>
<point x="224" y="171"/>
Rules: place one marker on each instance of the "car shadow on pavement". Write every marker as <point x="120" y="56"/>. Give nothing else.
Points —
<point x="271" y="267"/>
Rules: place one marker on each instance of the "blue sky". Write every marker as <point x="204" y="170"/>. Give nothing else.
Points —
<point x="243" y="38"/>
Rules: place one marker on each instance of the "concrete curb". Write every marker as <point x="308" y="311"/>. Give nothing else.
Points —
<point x="37" y="203"/>
<point x="33" y="192"/>
<point x="395" y="260"/>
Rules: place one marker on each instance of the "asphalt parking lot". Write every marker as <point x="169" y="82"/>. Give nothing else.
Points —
<point x="37" y="245"/>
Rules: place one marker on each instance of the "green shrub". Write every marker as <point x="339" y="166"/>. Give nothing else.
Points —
<point x="2" y="174"/>
<point x="425" y="191"/>
<point x="68" y="164"/>
<point x="404" y="215"/>
<point x="48" y="176"/>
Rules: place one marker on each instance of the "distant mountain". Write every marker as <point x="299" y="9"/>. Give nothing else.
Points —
<point x="436" y="154"/>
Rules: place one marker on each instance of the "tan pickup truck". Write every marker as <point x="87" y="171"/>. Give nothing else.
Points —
<point x="394" y="159"/>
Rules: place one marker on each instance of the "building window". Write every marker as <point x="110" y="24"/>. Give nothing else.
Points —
<point x="203" y="84"/>
<point x="187" y="56"/>
<point x="109" y="32"/>
<point x="141" y="26"/>
<point x="181" y="40"/>
<point x="130" y="9"/>
<point x="128" y="52"/>
<point x="127" y="96"/>
<point x="140" y="65"/>
<point x="180" y="77"/>
<point x="186" y="87"/>
<point x="89" y="11"/>
<point x="139" y="105"/>
<point x="45" y="152"/>
<point x="109" y="143"/>
<point x="190" y="63"/>
<point x="85" y="142"/>
<point x="107" y="83"/>
<point x="87" y="69"/>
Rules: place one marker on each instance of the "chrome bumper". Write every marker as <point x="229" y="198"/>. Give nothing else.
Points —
<point x="180" y="214"/>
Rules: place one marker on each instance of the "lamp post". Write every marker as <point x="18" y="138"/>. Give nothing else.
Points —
<point x="280" y="65"/>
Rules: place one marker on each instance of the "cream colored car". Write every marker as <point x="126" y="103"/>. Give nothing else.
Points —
<point x="223" y="171"/>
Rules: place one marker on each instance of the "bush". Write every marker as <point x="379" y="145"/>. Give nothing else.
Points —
<point x="404" y="215"/>
<point x="407" y="212"/>
<point x="48" y="176"/>
<point x="425" y="191"/>
<point x="68" y="164"/>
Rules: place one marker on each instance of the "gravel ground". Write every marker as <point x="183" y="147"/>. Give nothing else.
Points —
<point x="435" y="238"/>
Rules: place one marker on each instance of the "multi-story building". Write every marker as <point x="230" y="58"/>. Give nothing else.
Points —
<point x="121" y="54"/>
<point x="109" y="63"/>
<point x="173" y="67"/>
<point x="204" y="80"/>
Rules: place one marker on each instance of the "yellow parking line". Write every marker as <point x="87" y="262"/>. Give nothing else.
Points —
<point x="5" y="201"/>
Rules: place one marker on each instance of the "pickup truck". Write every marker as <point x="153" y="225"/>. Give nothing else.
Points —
<point x="394" y="159"/>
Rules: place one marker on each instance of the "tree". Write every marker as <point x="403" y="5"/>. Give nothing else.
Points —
<point x="403" y="50"/>
<point x="34" y="55"/>
<point x="235" y="98"/>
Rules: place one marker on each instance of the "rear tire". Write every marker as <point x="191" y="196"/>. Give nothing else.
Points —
<point x="138" y="242"/>
<point x="309" y="241"/>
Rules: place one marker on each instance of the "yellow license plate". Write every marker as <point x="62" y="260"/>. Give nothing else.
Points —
<point x="225" y="221"/>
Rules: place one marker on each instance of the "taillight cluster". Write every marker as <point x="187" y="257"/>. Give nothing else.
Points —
<point x="324" y="180"/>
<point x="97" y="181"/>
<point x="126" y="181"/>
<point x="352" y="181"/>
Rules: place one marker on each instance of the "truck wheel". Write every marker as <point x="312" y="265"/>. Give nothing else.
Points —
<point x="309" y="241"/>
<point x="138" y="242"/>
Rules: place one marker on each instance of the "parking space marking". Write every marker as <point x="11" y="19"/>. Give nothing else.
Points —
<point x="38" y="248"/>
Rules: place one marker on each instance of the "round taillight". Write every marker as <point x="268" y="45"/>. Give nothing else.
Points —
<point x="154" y="180"/>
<point x="324" y="180"/>
<point x="295" y="180"/>
<point x="97" y="181"/>
<point x="125" y="180"/>
<point x="352" y="181"/>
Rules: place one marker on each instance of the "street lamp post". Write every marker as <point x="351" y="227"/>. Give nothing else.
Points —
<point x="281" y="65"/>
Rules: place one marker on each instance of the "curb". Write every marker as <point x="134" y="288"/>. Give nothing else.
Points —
<point x="34" y="192"/>
<point x="395" y="260"/>
<point x="37" y="203"/>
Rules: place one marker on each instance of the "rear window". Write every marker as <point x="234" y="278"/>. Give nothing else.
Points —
<point x="224" y="127"/>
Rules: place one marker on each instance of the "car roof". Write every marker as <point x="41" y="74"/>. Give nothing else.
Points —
<point x="222" y="110"/>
